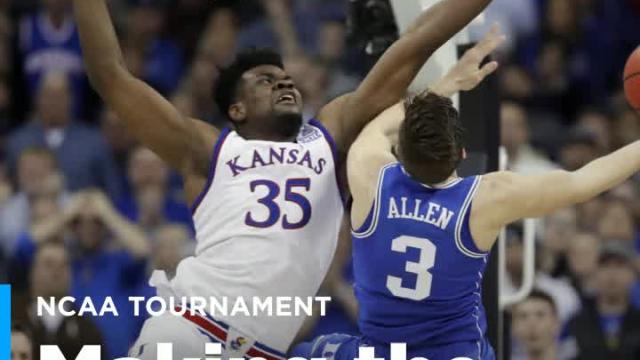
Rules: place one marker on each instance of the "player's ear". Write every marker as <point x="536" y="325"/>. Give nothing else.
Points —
<point x="238" y="113"/>
<point x="464" y="154"/>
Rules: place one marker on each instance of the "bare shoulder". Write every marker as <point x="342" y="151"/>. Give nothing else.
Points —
<point x="205" y="132"/>
<point x="195" y="173"/>
<point x="498" y="186"/>
<point x="491" y="205"/>
<point x="331" y="117"/>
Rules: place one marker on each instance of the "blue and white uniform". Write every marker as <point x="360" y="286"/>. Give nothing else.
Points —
<point x="418" y="274"/>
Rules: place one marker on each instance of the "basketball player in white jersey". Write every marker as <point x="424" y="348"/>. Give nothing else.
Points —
<point x="265" y="195"/>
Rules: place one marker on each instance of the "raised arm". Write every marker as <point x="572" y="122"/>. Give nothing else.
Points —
<point x="151" y="118"/>
<point x="373" y="149"/>
<point x="389" y="79"/>
<point x="515" y="196"/>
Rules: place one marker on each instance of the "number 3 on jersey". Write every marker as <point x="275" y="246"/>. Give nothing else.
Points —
<point x="292" y="194"/>
<point x="421" y="268"/>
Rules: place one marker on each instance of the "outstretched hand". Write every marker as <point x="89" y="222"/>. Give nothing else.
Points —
<point x="468" y="71"/>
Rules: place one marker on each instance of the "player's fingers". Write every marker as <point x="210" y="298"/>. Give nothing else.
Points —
<point x="488" y="69"/>
<point x="491" y="41"/>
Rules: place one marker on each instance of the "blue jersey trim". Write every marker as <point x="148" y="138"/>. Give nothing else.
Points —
<point x="212" y="169"/>
<point x="460" y="222"/>
<point x="334" y="152"/>
<point x="364" y="230"/>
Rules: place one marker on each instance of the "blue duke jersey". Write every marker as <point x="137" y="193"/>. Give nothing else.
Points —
<point x="418" y="272"/>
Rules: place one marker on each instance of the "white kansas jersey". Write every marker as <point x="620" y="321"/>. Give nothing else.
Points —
<point x="266" y="225"/>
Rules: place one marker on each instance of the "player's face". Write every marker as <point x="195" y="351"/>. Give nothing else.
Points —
<point x="535" y="324"/>
<point x="270" y="96"/>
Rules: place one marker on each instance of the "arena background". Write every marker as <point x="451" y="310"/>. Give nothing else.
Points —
<point x="561" y="105"/>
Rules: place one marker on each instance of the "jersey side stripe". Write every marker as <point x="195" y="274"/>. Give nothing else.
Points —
<point x="334" y="152"/>
<point x="376" y="207"/>
<point x="212" y="169"/>
<point x="460" y="221"/>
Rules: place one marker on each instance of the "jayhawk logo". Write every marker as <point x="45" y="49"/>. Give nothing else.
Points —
<point x="238" y="342"/>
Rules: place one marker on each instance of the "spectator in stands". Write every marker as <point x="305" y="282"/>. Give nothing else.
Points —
<point x="151" y="204"/>
<point x="6" y="98"/>
<point x="34" y="166"/>
<point x="580" y="148"/>
<point x="81" y="152"/>
<point x="199" y="85"/>
<point x="536" y="327"/>
<point x="626" y="127"/>
<point x="50" y="278"/>
<point x="582" y="257"/>
<point x="516" y="84"/>
<point x="21" y="344"/>
<point x="43" y="205"/>
<point x="5" y="186"/>
<point x="515" y="138"/>
<point x="101" y="270"/>
<point x="617" y="223"/>
<point x="150" y="55"/>
<point x="110" y="255"/>
<point x="49" y="42"/>
<point x="331" y="49"/>
<point x="120" y="143"/>
<point x="608" y="327"/>
<point x="564" y="295"/>
<point x="219" y="38"/>
<point x="599" y="124"/>
<point x="559" y="229"/>
<point x="171" y="244"/>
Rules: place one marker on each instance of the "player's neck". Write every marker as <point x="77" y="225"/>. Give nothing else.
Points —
<point x="451" y="178"/>
<point x="548" y="353"/>
<point x="265" y="136"/>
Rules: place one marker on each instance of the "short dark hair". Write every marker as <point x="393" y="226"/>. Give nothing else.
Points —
<point x="431" y="137"/>
<point x="537" y="294"/>
<point x="227" y="85"/>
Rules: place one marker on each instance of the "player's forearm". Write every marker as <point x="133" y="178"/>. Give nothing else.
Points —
<point x="440" y="23"/>
<point x="607" y="172"/>
<point x="389" y="79"/>
<point x="429" y="32"/>
<point x="100" y="48"/>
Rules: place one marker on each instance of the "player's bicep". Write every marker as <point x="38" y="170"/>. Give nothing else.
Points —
<point x="331" y="116"/>
<point x="521" y="196"/>
<point x="368" y="155"/>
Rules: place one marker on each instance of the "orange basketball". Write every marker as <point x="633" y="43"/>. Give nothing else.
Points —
<point x="632" y="79"/>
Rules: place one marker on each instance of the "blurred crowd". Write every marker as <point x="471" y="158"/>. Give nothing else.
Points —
<point x="86" y="211"/>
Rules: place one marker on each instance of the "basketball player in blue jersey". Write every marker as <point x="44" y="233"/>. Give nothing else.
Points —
<point x="423" y="234"/>
<point x="265" y="197"/>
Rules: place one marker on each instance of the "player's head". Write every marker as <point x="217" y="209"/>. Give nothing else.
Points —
<point x="258" y="96"/>
<point x="536" y="323"/>
<point x="431" y="136"/>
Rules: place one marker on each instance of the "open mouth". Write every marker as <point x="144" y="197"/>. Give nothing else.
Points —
<point x="288" y="99"/>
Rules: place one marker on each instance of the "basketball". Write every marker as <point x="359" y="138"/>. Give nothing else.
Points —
<point x="632" y="79"/>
